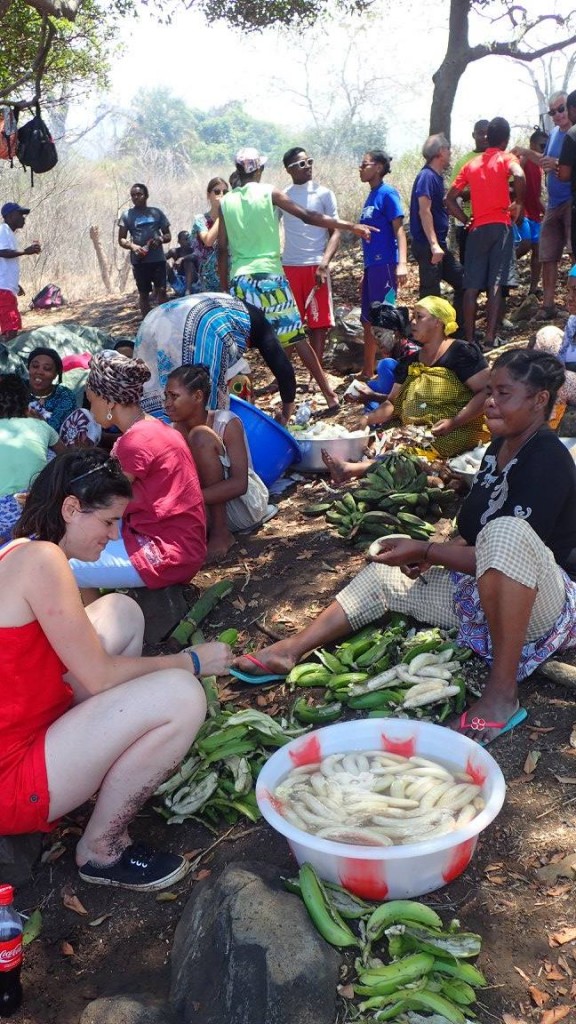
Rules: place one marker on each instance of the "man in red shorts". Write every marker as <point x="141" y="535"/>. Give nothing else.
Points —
<point x="14" y="217"/>
<point x="308" y="249"/>
<point x="490" y="241"/>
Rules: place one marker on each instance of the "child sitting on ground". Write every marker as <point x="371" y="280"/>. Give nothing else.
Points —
<point x="235" y="496"/>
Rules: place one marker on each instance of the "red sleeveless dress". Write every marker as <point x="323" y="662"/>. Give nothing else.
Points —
<point x="33" y="694"/>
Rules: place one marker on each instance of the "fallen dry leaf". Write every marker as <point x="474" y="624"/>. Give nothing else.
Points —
<point x="197" y="876"/>
<point x="66" y="949"/>
<point x="191" y="854"/>
<point x="239" y="603"/>
<point x="573" y="990"/>
<point x="563" y="963"/>
<point x="572" y="740"/>
<point x="531" y="761"/>
<point x="564" y="935"/>
<point x="522" y="973"/>
<point x="99" y="920"/>
<point x="166" y="897"/>
<point x="508" y="1018"/>
<point x="555" y="1014"/>
<point x="567" y="780"/>
<point x="541" y="729"/>
<point x="498" y="879"/>
<point x="328" y="568"/>
<point x="346" y="991"/>
<point x="53" y="854"/>
<point x="537" y="996"/>
<point x="564" y="868"/>
<point x="559" y="890"/>
<point x="71" y="902"/>
<point x="553" y="973"/>
<point x="495" y="867"/>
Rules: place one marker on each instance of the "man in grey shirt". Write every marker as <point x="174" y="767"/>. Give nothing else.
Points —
<point x="308" y="249"/>
<point x="149" y="230"/>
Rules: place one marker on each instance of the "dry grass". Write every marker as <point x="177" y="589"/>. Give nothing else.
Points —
<point x="79" y="194"/>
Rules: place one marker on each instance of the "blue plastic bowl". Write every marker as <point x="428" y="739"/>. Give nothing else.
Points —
<point x="272" y="447"/>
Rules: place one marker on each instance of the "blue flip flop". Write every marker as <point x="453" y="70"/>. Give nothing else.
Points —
<point x="254" y="680"/>
<point x="272" y="677"/>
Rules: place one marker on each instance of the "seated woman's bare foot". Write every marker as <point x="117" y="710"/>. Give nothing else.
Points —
<point x="219" y="544"/>
<point x="484" y="720"/>
<point x="276" y="658"/>
<point x="338" y="469"/>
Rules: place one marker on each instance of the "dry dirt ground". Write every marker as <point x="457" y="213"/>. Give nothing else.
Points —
<point x="282" y="576"/>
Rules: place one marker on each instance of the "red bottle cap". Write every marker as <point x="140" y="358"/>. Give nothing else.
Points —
<point x="6" y="894"/>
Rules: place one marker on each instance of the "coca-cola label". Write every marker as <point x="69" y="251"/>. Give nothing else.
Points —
<point x="11" y="954"/>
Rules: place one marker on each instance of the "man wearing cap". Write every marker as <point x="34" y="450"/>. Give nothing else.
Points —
<point x="14" y="217"/>
<point x="250" y="234"/>
<point x="309" y="249"/>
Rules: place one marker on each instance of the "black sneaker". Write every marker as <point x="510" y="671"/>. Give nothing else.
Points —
<point x="139" y="868"/>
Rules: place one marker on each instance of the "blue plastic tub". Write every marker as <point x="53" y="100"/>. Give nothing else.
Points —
<point x="272" y="447"/>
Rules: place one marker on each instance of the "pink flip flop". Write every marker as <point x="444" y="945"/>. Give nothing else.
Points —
<point x="479" y="724"/>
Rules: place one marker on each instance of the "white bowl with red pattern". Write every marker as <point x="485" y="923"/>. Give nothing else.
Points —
<point x="392" y="872"/>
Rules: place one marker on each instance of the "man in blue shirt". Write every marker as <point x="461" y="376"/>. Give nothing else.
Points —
<point x="555" y="227"/>
<point x="429" y="225"/>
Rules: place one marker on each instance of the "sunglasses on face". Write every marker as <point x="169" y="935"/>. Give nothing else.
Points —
<point x="220" y="191"/>
<point x="557" y="110"/>
<point x="302" y="163"/>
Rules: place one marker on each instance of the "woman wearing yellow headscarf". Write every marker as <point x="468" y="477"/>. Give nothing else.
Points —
<point x="443" y="386"/>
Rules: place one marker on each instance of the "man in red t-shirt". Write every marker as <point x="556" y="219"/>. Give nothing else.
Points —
<point x="489" y="245"/>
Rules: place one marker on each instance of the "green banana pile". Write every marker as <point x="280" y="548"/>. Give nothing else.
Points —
<point x="392" y="498"/>
<point x="426" y="971"/>
<point x="370" y="672"/>
<point x="216" y="780"/>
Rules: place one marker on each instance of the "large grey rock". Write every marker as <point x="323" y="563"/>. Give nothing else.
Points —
<point x="163" y="609"/>
<point x="18" y="855"/>
<point x="246" y="952"/>
<point x="128" y="1009"/>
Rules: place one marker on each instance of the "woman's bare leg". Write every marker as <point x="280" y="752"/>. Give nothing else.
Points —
<point x="310" y="360"/>
<point x="121" y="743"/>
<point x="507" y="607"/>
<point x="330" y="625"/>
<point x="369" y="352"/>
<point x="119" y="623"/>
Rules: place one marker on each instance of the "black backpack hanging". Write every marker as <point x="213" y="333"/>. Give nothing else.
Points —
<point x="36" y="148"/>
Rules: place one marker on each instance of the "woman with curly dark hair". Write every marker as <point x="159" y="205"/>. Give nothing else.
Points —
<point x="81" y="711"/>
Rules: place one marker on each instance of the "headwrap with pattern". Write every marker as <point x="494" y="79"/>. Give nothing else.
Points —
<point x="116" y="378"/>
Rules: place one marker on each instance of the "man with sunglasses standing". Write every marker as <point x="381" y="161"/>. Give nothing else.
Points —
<point x="555" y="227"/>
<point x="309" y="249"/>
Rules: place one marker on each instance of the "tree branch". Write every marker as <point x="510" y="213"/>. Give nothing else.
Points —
<point x="67" y="9"/>
<point x="37" y="70"/>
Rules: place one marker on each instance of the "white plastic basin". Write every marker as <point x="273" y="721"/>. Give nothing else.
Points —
<point x="393" y="872"/>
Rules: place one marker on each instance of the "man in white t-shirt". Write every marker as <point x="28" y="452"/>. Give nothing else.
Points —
<point x="308" y="249"/>
<point x="14" y="217"/>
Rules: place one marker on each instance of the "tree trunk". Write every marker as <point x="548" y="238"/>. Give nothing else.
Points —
<point x="447" y="77"/>
<point x="95" y="239"/>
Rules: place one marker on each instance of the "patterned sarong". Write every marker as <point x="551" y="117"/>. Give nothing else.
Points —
<point x="273" y="295"/>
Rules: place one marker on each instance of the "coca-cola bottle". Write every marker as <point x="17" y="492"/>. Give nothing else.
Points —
<point x="10" y="953"/>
